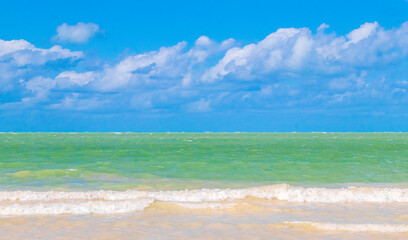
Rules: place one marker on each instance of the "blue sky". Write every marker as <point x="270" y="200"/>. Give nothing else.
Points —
<point x="204" y="66"/>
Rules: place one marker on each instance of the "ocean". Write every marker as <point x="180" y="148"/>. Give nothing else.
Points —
<point x="203" y="185"/>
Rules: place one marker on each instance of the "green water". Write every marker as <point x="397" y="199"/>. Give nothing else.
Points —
<point x="189" y="160"/>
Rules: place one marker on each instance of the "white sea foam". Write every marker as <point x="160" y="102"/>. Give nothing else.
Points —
<point x="280" y="192"/>
<point x="75" y="207"/>
<point x="58" y="202"/>
<point x="383" y="228"/>
<point x="207" y="205"/>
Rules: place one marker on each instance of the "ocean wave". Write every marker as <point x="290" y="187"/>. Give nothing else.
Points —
<point x="110" y="202"/>
<point x="365" y="227"/>
<point x="101" y="207"/>
<point x="77" y="208"/>
<point x="280" y="192"/>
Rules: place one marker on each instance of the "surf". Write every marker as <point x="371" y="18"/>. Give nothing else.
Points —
<point x="112" y="202"/>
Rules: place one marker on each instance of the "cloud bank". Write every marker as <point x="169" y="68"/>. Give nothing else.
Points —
<point x="291" y="68"/>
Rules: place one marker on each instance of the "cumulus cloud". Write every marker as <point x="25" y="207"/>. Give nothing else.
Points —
<point x="365" y="31"/>
<point x="39" y="88"/>
<point x="282" y="49"/>
<point x="78" y="33"/>
<point x="13" y="45"/>
<point x="21" y="52"/>
<point x="291" y="50"/>
<point x="19" y="60"/>
<point x="291" y="67"/>
<point x="71" y="78"/>
<point x="164" y="68"/>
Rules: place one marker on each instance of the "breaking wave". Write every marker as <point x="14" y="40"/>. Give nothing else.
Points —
<point x="112" y="202"/>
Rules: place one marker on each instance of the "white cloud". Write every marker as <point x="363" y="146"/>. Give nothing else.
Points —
<point x="170" y="66"/>
<point x="79" y="33"/>
<point x="18" y="58"/>
<point x="74" y="102"/>
<point x="350" y="82"/>
<point x="200" y="106"/>
<point x="300" y="50"/>
<point x="40" y="56"/>
<point x="40" y="87"/>
<point x="7" y="47"/>
<point x="342" y="97"/>
<point x="272" y="53"/>
<point x="290" y="66"/>
<point x="363" y="32"/>
<point x="71" y="78"/>
<point x="203" y="41"/>
<point x="21" y="52"/>
<point x="323" y="27"/>
<point x="292" y="51"/>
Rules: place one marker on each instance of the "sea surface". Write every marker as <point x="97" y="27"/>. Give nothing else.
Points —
<point x="203" y="185"/>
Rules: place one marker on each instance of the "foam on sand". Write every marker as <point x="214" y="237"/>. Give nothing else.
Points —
<point x="75" y="207"/>
<point x="383" y="228"/>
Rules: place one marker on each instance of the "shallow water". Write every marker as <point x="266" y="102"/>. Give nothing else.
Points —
<point x="204" y="185"/>
<point x="256" y="220"/>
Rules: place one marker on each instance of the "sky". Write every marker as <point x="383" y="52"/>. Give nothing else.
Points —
<point x="146" y="66"/>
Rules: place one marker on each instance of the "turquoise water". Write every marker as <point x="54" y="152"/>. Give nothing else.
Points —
<point x="186" y="185"/>
<point x="196" y="160"/>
